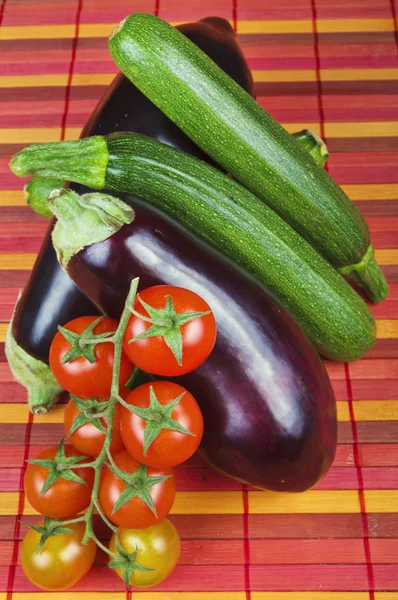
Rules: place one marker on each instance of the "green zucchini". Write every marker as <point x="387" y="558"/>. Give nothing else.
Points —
<point x="237" y="133"/>
<point x="225" y="214"/>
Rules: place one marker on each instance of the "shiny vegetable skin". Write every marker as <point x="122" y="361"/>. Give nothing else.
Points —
<point x="123" y="108"/>
<point x="268" y="405"/>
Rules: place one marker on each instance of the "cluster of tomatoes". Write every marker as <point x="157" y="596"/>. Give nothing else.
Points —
<point x="156" y="426"/>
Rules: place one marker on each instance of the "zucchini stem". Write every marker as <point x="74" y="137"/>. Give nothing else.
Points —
<point x="88" y="158"/>
<point x="368" y="276"/>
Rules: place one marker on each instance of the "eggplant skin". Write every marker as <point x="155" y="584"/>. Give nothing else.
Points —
<point x="50" y="298"/>
<point x="267" y="402"/>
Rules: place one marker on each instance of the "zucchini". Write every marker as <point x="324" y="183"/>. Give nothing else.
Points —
<point x="225" y="214"/>
<point x="238" y="134"/>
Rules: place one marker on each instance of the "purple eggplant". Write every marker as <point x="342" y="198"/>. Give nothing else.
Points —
<point x="267" y="401"/>
<point x="50" y="298"/>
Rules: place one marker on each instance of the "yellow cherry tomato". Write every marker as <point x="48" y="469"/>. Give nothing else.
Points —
<point x="63" y="560"/>
<point x="157" y="547"/>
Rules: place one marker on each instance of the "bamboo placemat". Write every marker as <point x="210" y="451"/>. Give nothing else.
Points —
<point x="329" y="65"/>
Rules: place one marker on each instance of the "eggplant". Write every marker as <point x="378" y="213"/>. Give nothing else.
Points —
<point x="50" y="298"/>
<point x="268" y="405"/>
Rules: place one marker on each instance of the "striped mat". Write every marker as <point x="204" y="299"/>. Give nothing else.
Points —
<point x="332" y="66"/>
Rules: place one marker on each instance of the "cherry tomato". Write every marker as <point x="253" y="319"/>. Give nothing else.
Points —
<point x="195" y="338"/>
<point x="135" y="513"/>
<point x="158" y="549"/>
<point x="79" y="376"/>
<point x="63" y="560"/>
<point x="64" y="498"/>
<point x="170" y="447"/>
<point x="88" y="439"/>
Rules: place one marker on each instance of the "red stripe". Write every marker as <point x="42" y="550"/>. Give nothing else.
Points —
<point x="235" y="15"/>
<point x="394" y="16"/>
<point x="21" y="501"/>
<point x="361" y="495"/>
<point x="318" y="70"/>
<point x="71" y="65"/>
<point x="246" y="540"/>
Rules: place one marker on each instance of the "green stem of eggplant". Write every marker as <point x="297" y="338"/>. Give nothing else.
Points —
<point x="35" y="375"/>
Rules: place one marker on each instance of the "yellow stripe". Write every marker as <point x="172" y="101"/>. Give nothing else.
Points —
<point x="365" y="410"/>
<point x="17" y="262"/>
<point x="313" y="501"/>
<point x="145" y="596"/>
<point x="3" y="331"/>
<point x="381" y="502"/>
<point x="387" y="329"/>
<point x="18" y="81"/>
<point x="92" y="78"/>
<point x="307" y="596"/>
<point x="387" y="256"/>
<point x="208" y="595"/>
<point x="319" y="501"/>
<point x="357" y="192"/>
<point x="18" y="413"/>
<point x="369" y="410"/>
<point x="12" y="198"/>
<point x="36" y="135"/>
<point x="359" y="74"/>
<point x="371" y="191"/>
<point x="371" y="129"/>
<point x="186" y="503"/>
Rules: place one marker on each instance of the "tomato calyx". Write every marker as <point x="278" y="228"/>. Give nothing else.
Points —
<point x="126" y="561"/>
<point x="157" y="417"/>
<point x="59" y="468"/>
<point x="91" y="411"/>
<point x="165" y="323"/>
<point x="83" y="344"/>
<point x="49" y="529"/>
<point x="138" y="485"/>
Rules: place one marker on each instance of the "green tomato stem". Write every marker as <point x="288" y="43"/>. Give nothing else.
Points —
<point x="98" y="463"/>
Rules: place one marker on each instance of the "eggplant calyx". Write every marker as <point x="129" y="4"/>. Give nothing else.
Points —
<point x="36" y="192"/>
<point x="59" y="468"/>
<point x="157" y="417"/>
<point x="166" y="323"/>
<point x="368" y="275"/>
<point x="127" y="562"/>
<point x="84" y="220"/>
<point x="138" y="485"/>
<point x="35" y="375"/>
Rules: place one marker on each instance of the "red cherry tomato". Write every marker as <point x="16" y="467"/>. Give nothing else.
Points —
<point x="88" y="439"/>
<point x="170" y="447"/>
<point x="64" y="498"/>
<point x="135" y="513"/>
<point x="198" y="336"/>
<point x="79" y="376"/>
